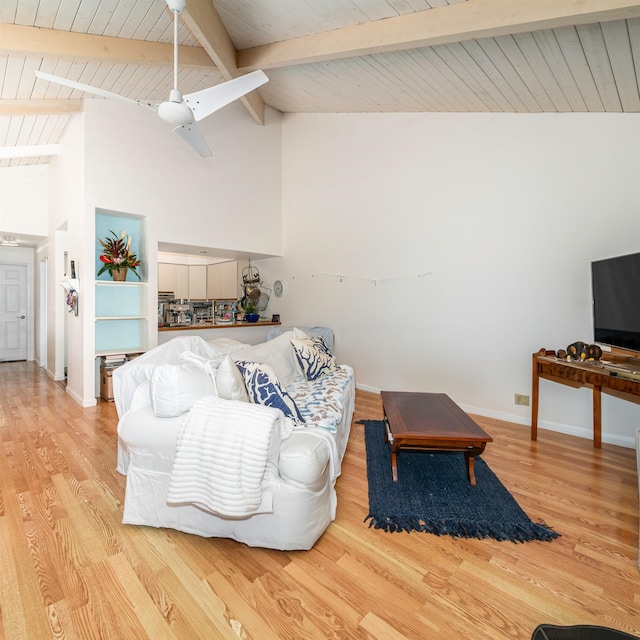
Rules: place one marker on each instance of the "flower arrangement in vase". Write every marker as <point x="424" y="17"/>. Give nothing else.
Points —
<point x="117" y="256"/>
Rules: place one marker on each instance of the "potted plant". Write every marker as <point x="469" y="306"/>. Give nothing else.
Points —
<point x="118" y="257"/>
<point x="250" y="312"/>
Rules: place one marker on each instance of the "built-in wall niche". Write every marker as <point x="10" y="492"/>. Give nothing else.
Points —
<point x="121" y="308"/>
<point x="135" y="227"/>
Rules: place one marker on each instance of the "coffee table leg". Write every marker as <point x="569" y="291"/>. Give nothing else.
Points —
<point x="388" y="436"/>
<point x="394" y="466"/>
<point x="471" y="476"/>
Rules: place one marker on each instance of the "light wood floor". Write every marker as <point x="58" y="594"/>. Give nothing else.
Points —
<point x="70" y="569"/>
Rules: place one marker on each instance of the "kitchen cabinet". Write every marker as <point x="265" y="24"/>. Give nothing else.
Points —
<point x="214" y="281"/>
<point x="181" y="289"/>
<point x="197" y="282"/>
<point x="220" y="281"/>
<point x="224" y="280"/>
<point x="230" y="279"/>
<point x="166" y="277"/>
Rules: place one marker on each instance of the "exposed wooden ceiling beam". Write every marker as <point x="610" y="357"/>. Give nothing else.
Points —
<point x="29" y="151"/>
<point x="20" y="40"/>
<point x="38" y="107"/>
<point x="205" y="24"/>
<point x="443" y="25"/>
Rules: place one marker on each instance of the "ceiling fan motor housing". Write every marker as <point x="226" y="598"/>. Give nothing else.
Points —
<point x="175" y="111"/>
<point x="176" y="5"/>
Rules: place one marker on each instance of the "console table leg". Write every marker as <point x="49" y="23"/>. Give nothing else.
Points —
<point x="535" y="393"/>
<point x="597" y="417"/>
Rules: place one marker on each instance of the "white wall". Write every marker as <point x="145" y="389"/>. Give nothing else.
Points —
<point x="136" y="164"/>
<point x="504" y="212"/>
<point x="68" y="214"/>
<point x="23" y="200"/>
<point x="123" y="158"/>
<point x="24" y="211"/>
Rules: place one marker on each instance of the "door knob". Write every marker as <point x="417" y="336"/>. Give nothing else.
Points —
<point x="21" y="317"/>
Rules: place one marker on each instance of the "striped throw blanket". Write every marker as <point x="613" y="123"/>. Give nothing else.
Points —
<point x="221" y="458"/>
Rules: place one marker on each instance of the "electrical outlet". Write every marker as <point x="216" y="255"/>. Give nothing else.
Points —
<point x="521" y="399"/>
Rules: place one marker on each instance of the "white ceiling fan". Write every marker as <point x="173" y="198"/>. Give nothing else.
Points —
<point x="182" y="111"/>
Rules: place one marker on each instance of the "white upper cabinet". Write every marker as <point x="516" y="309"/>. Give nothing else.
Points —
<point x="197" y="282"/>
<point x="220" y="281"/>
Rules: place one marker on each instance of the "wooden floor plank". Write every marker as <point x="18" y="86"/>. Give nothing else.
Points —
<point x="71" y="570"/>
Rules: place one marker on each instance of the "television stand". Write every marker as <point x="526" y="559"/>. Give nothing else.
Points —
<point x="615" y="374"/>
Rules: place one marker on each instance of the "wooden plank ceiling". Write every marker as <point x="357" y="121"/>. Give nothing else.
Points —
<point x="323" y="56"/>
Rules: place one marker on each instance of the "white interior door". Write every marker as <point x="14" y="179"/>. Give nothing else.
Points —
<point x="13" y="312"/>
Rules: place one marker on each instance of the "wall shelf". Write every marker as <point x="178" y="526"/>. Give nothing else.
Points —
<point x="121" y="308"/>
<point x="120" y="318"/>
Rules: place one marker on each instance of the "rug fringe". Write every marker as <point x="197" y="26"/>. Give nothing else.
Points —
<point x="463" y="529"/>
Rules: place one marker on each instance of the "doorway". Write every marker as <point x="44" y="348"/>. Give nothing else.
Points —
<point x="13" y="312"/>
<point x="42" y="316"/>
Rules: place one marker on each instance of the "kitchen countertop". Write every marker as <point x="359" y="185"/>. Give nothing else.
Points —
<point x="227" y="325"/>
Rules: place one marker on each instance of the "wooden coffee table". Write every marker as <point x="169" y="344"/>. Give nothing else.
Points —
<point x="430" y="422"/>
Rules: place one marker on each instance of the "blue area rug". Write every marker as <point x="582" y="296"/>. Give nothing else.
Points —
<point x="433" y="495"/>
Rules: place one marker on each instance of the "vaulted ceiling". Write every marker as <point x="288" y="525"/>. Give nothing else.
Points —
<point x="324" y="56"/>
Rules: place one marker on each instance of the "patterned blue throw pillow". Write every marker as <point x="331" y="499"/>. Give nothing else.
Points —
<point x="313" y="357"/>
<point x="264" y="388"/>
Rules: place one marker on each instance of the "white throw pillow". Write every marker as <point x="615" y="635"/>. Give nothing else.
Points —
<point x="175" y="388"/>
<point x="229" y="381"/>
<point x="277" y="353"/>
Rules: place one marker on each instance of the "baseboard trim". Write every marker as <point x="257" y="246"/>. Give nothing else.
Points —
<point x="84" y="404"/>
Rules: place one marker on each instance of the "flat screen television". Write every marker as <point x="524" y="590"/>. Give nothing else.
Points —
<point x="616" y="301"/>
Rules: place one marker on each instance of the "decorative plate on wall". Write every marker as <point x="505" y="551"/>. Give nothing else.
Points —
<point x="278" y="288"/>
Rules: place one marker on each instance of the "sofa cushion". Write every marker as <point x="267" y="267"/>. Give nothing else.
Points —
<point x="229" y="381"/>
<point x="321" y="401"/>
<point x="222" y="346"/>
<point x="277" y="353"/>
<point x="264" y="388"/>
<point x="313" y="357"/>
<point x="175" y="388"/>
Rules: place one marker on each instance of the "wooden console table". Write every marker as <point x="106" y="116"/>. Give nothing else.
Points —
<point x="615" y="375"/>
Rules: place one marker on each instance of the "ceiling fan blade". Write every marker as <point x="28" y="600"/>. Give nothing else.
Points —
<point x="203" y="103"/>
<point x="89" y="89"/>
<point x="193" y="136"/>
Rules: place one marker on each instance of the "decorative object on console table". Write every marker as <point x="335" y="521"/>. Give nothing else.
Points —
<point x="117" y="256"/>
<point x="581" y="351"/>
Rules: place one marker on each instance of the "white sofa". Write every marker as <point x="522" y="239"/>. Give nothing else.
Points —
<point x="194" y="382"/>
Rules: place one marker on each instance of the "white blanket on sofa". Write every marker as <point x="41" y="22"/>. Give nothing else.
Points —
<point x="221" y="461"/>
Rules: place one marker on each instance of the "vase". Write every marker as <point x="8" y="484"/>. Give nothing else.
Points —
<point x="119" y="274"/>
<point x="252" y="317"/>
